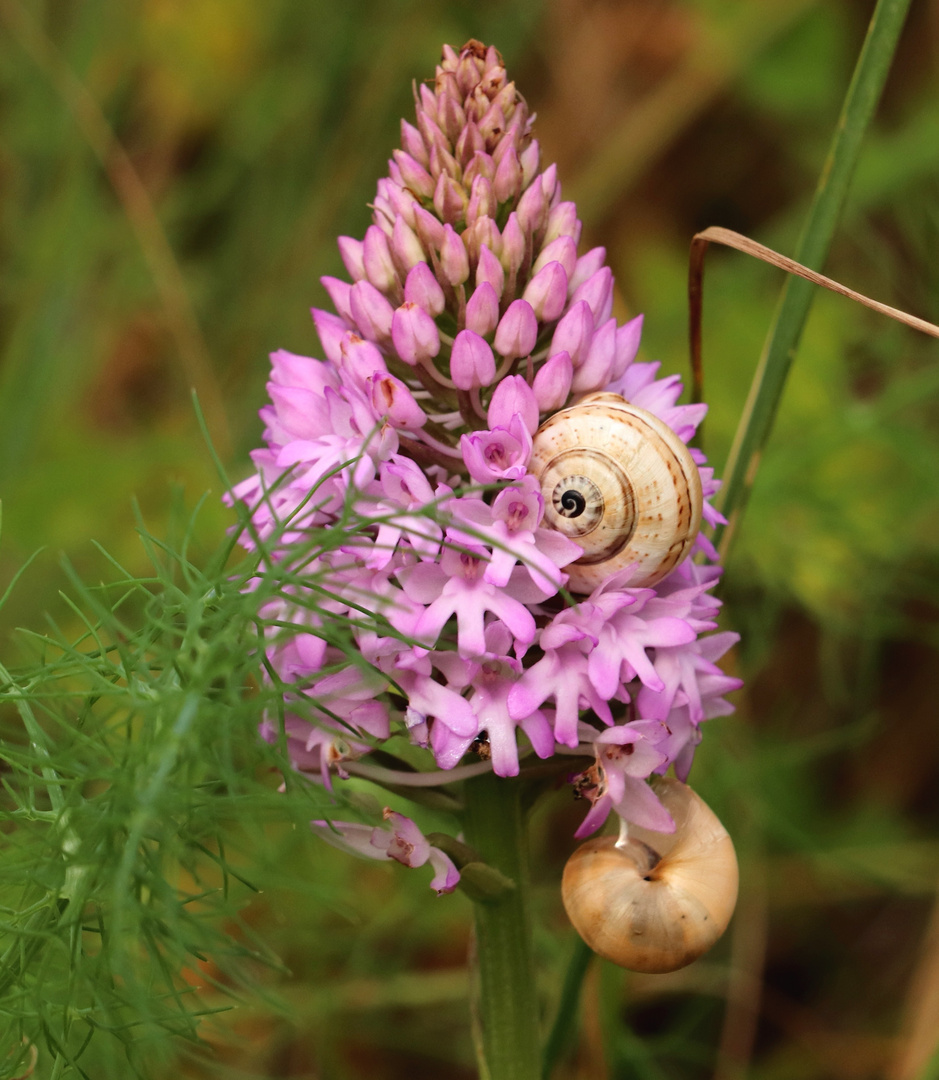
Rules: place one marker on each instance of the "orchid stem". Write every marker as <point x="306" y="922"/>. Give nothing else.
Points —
<point x="495" y="825"/>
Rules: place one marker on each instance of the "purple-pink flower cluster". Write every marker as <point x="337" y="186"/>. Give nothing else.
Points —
<point x="469" y="318"/>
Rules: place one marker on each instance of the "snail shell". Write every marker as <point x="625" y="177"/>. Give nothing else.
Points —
<point x="617" y="480"/>
<point x="655" y="902"/>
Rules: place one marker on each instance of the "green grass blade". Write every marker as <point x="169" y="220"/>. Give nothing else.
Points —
<point x="864" y="92"/>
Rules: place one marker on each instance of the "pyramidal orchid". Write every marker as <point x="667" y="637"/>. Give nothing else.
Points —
<point x="468" y="317"/>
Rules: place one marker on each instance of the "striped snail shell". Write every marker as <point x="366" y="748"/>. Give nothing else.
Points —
<point x="617" y="480"/>
<point x="655" y="902"/>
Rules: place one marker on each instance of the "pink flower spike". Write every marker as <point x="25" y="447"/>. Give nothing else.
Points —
<point x="371" y="311"/>
<point x="547" y="292"/>
<point x="517" y="331"/>
<point x="414" y="334"/>
<point x="472" y="364"/>
<point x="423" y="289"/>
<point x="482" y="309"/>
<point x="513" y="397"/>
<point x="552" y="382"/>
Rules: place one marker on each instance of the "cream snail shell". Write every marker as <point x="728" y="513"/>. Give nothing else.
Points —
<point x="617" y="480"/>
<point x="654" y="902"/>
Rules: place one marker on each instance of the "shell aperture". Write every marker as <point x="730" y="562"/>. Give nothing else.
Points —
<point x="617" y="480"/>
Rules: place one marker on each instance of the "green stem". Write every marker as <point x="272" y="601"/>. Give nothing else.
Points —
<point x="495" y="825"/>
<point x="779" y="351"/>
<point x="565" y="1021"/>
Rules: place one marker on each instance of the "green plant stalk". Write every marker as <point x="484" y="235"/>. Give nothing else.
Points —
<point x="756" y="422"/>
<point x="496" y="826"/>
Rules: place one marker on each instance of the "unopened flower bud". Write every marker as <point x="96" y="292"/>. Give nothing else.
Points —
<point x="563" y="221"/>
<point x="376" y="255"/>
<point x="371" y="311"/>
<point x="482" y="309"/>
<point x="432" y="135"/>
<point x="627" y="345"/>
<point x="513" y="397"/>
<point x="451" y="118"/>
<point x="360" y="360"/>
<point x="482" y="201"/>
<point x="391" y="398"/>
<point x="547" y="292"/>
<point x="469" y="145"/>
<point x="472" y="364"/>
<point x="598" y="292"/>
<point x="428" y="228"/>
<point x="414" y="176"/>
<point x="405" y="246"/>
<point x="331" y="330"/>
<point x="449" y="199"/>
<point x="492" y="124"/>
<point x="489" y="269"/>
<point x="594" y="370"/>
<point x="413" y="144"/>
<point x="391" y="202"/>
<point x="552" y="382"/>
<point x="339" y="294"/>
<point x="414" y="334"/>
<point x="453" y="259"/>
<point x="352" y="258"/>
<point x="532" y="208"/>
<point x="562" y="250"/>
<point x="513" y="245"/>
<point x="573" y="333"/>
<point x="423" y="289"/>
<point x="517" y="331"/>
<point x="530" y="160"/>
<point x="587" y="266"/>
<point x="508" y="179"/>
<point x="428" y="103"/>
<point x="482" y="233"/>
<point x="481" y="165"/>
<point x="442" y="161"/>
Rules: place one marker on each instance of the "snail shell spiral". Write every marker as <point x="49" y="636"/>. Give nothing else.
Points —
<point x="617" y="480"/>
<point x="655" y="902"/>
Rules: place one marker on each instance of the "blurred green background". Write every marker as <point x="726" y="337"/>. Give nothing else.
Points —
<point x="173" y="174"/>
